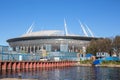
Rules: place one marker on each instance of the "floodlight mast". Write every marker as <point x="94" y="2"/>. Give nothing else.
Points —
<point x="65" y="27"/>
<point x="91" y="33"/>
<point x="83" y="29"/>
<point x="30" y="29"/>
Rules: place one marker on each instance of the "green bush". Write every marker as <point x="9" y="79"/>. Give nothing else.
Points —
<point x="86" y="62"/>
<point x="111" y="62"/>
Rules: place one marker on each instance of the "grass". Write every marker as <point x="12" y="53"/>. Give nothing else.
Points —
<point x="103" y="62"/>
<point x="86" y="62"/>
<point x="111" y="62"/>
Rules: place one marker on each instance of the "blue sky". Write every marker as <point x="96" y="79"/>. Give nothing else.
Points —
<point x="16" y="16"/>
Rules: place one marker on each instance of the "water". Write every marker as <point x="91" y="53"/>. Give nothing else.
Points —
<point x="65" y="73"/>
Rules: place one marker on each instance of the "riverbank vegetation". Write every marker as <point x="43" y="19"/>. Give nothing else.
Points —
<point x="104" y="63"/>
<point x="110" y="63"/>
<point x="86" y="62"/>
<point x="109" y="45"/>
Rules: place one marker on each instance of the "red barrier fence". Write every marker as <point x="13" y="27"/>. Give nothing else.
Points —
<point x="4" y="65"/>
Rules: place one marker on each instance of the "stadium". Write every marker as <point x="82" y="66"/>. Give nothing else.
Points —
<point x="51" y="41"/>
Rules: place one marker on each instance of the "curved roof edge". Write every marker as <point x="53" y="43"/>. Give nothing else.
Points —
<point x="52" y="37"/>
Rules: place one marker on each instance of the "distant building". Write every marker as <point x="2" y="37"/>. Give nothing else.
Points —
<point x="102" y="54"/>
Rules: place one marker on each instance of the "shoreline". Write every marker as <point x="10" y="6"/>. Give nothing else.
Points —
<point x="102" y="65"/>
<point x="79" y="64"/>
<point x="108" y="65"/>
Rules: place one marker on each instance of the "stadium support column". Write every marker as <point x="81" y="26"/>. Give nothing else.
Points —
<point x="30" y="49"/>
<point x="34" y="48"/>
<point x="27" y="49"/>
<point x="38" y="48"/>
<point x="72" y="48"/>
<point x="21" y="49"/>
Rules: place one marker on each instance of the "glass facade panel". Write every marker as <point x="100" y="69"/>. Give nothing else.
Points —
<point x="64" y="47"/>
<point x="48" y="47"/>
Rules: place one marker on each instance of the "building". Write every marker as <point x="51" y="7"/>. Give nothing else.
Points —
<point x="4" y="49"/>
<point x="102" y="54"/>
<point x="51" y="41"/>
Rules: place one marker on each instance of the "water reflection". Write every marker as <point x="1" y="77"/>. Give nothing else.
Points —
<point x="65" y="73"/>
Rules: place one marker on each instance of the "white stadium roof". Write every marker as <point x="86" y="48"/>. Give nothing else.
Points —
<point x="44" y="33"/>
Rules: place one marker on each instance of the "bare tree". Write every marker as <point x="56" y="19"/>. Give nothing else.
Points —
<point x="100" y="45"/>
<point x="116" y="44"/>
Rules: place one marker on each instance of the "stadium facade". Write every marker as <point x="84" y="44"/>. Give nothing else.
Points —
<point x="51" y="41"/>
